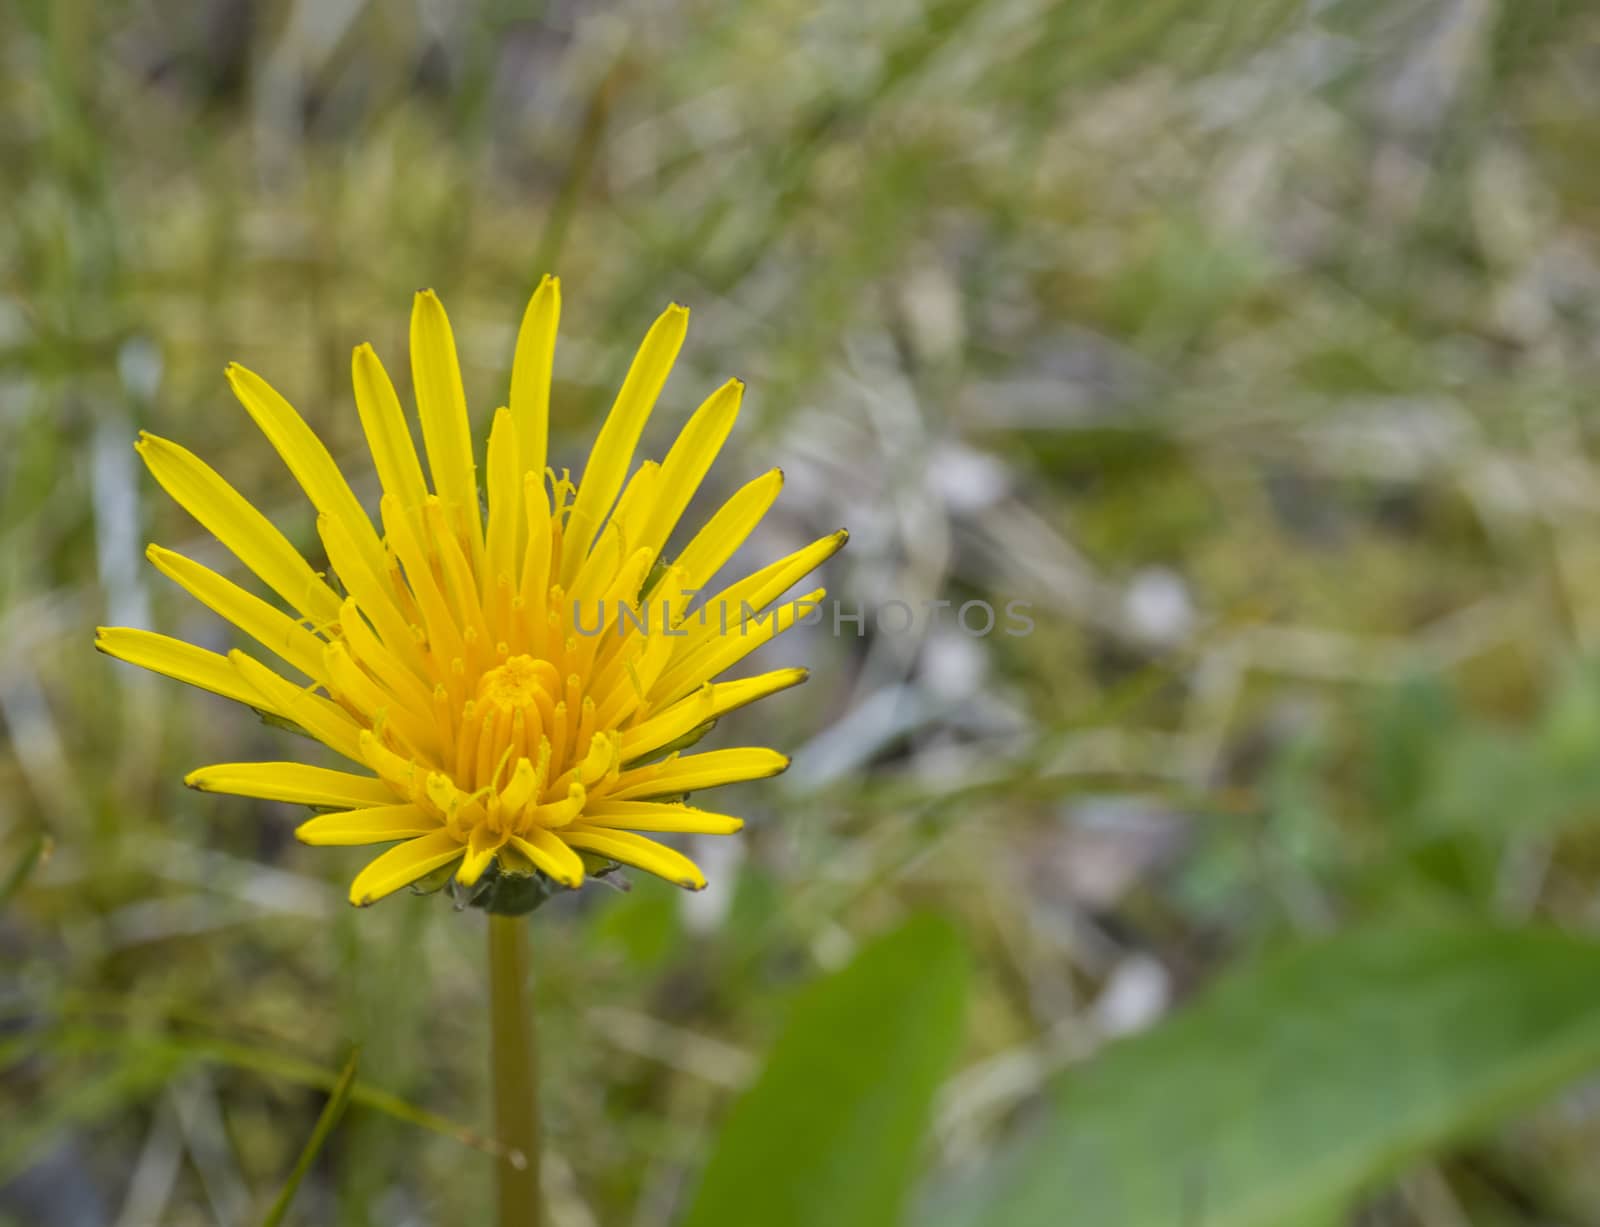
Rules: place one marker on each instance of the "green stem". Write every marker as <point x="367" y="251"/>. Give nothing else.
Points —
<point x="514" y="1072"/>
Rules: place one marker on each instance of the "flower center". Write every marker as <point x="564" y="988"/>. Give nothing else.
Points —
<point x="518" y="682"/>
<point x="526" y="752"/>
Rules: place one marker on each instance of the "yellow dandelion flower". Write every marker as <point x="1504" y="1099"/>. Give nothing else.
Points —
<point x="516" y="681"/>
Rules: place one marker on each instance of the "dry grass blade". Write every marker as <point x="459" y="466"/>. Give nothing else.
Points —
<point x="329" y="1117"/>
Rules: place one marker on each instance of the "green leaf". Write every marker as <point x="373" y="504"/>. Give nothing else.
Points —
<point x="829" y="1135"/>
<point x="1297" y="1086"/>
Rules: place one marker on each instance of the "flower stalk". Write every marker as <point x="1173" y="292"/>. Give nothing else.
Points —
<point x="514" y="1073"/>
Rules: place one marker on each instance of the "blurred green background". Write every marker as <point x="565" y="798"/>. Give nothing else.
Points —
<point x="1255" y="344"/>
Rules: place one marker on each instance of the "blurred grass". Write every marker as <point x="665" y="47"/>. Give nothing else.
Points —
<point x="1254" y="344"/>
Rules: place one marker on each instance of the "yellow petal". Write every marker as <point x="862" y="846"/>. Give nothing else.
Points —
<point x="455" y="570"/>
<point x="481" y="849"/>
<point x="372" y="591"/>
<point x="725" y="651"/>
<point x="531" y="371"/>
<point x="624" y="589"/>
<point x="387" y="666"/>
<point x="505" y="509"/>
<point x="354" y="686"/>
<point x="306" y="457"/>
<point x="558" y="813"/>
<point x="724" y="533"/>
<point x="270" y="627"/>
<point x="535" y="584"/>
<point x="394" y="453"/>
<point x="403" y="865"/>
<point x="638" y="501"/>
<point x="380" y="824"/>
<point x="400" y="774"/>
<point x="707" y="703"/>
<point x="200" y="491"/>
<point x="553" y="857"/>
<point x="519" y="791"/>
<point x="296" y="783"/>
<point x="442" y="405"/>
<point x="176" y="659"/>
<point x="612" y="454"/>
<point x="655" y="816"/>
<point x="689" y="459"/>
<point x="736" y="605"/>
<point x="595" y="576"/>
<point x="639" y="852"/>
<point x="692" y="772"/>
<point x="628" y="680"/>
<point x="325" y="720"/>
<point x="444" y="635"/>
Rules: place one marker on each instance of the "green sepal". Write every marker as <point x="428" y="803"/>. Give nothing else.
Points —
<point x="604" y="870"/>
<point x="672" y="747"/>
<point x="504" y="893"/>
<point x="282" y="722"/>
<point x="657" y="569"/>
<point x="433" y="883"/>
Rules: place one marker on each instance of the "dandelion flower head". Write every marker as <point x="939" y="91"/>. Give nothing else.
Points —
<point x="444" y="651"/>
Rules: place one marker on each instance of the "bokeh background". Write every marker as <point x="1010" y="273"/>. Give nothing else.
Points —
<point x="1253" y="344"/>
